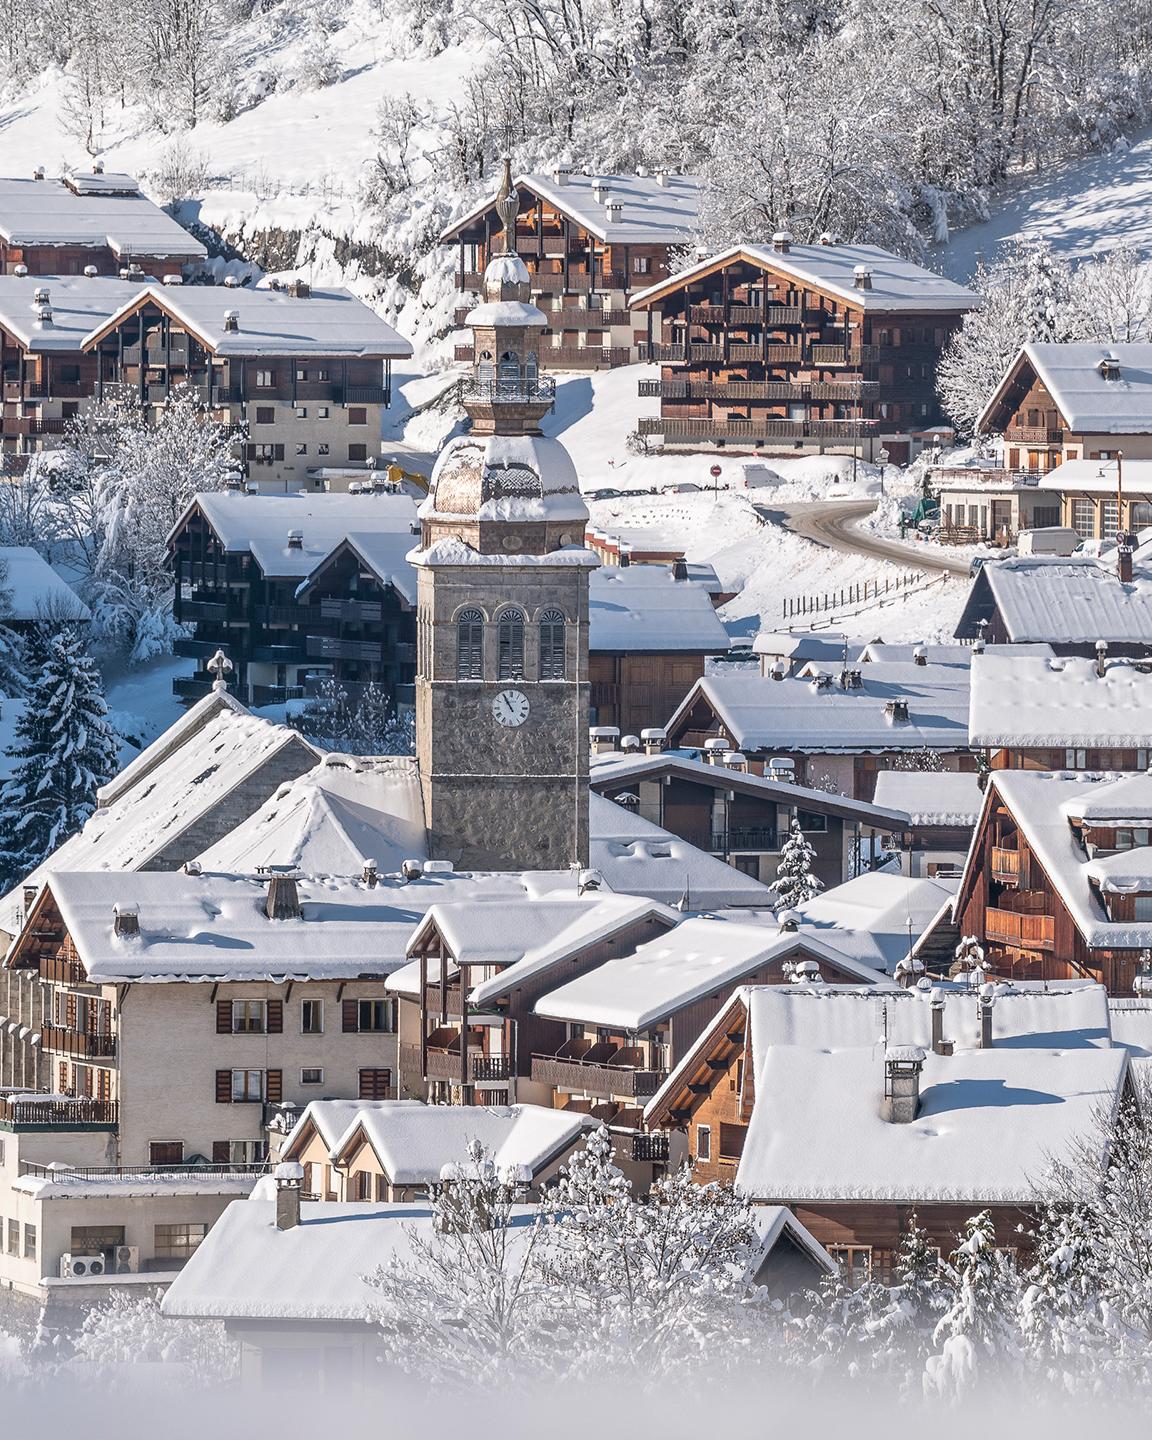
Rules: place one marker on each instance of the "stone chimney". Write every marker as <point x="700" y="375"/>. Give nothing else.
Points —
<point x="289" y="1175"/>
<point x="1101" y="658"/>
<point x="371" y="875"/>
<point x="985" y="1004"/>
<point x="125" y="920"/>
<point x="653" y="740"/>
<point x="920" y="655"/>
<point x="1124" y="544"/>
<point x="902" y="1067"/>
<point x="299" y="289"/>
<point x="782" y="242"/>
<point x="604" y="739"/>
<point x="614" y="209"/>
<point x="562" y="174"/>
<point x="283" y="902"/>
<point x="231" y="321"/>
<point x="862" y="277"/>
<point x="600" y="191"/>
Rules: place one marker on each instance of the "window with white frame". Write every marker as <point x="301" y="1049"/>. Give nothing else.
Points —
<point x="312" y="1075"/>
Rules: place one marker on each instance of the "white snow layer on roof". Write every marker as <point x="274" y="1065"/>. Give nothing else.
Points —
<point x="703" y="956"/>
<point x="1043" y="805"/>
<point x="214" y="927"/>
<point x="179" y="733"/>
<point x="931" y="797"/>
<point x="1076" y="601"/>
<point x="867" y="917"/>
<point x="328" y="324"/>
<point x="38" y="593"/>
<point x="79" y="305"/>
<point x="48" y="212"/>
<point x="259" y="524"/>
<point x="637" y="609"/>
<point x="990" y="1123"/>
<point x="246" y="1267"/>
<point x="332" y="1118"/>
<point x="1132" y="1027"/>
<point x="1123" y="873"/>
<point x="1090" y="402"/>
<point x="414" y="1142"/>
<point x="1120" y="799"/>
<point x="896" y="284"/>
<point x="1099" y="477"/>
<point x="527" y="478"/>
<point x="636" y="857"/>
<point x="1021" y="701"/>
<point x="332" y="820"/>
<point x="760" y="713"/>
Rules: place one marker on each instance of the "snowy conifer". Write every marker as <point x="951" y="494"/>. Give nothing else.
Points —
<point x="65" y="749"/>
<point x="974" y="1339"/>
<point x="795" y="881"/>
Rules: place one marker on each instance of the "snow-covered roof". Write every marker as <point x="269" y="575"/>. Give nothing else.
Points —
<point x="331" y="1119"/>
<point x="1091" y="399"/>
<point x="174" y="793"/>
<point x="1099" y="477"/>
<point x="1044" y="804"/>
<point x="762" y="713"/>
<point x="1132" y="1028"/>
<point x="325" y="324"/>
<point x="78" y="305"/>
<point x="896" y="284"/>
<point x="37" y="592"/>
<point x="878" y="652"/>
<point x="49" y="212"/>
<point x="650" y="213"/>
<point x="413" y="1143"/>
<point x="331" y="820"/>
<point x="142" y="1184"/>
<point x="1021" y="701"/>
<point x="618" y="765"/>
<point x="524" y="478"/>
<point x="704" y="956"/>
<point x="1125" y="872"/>
<point x="643" y="609"/>
<point x="636" y="857"/>
<point x="246" y="1268"/>
<point x="867" y="917"/>
<point x="214" y="927"/>
<point x="1074" y="600"/>
<point x="259" y="524"/>
<point x="931" y="797"/>
<point x="828" y="646"/>
<point x="989" y="1126"/>
<point x="1116" y="800"/>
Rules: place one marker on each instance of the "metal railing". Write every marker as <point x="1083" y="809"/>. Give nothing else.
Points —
<point x="751" y="838"/>
<point x="56" y="1112"/>
<point x="132" y="1172"/>
<point x="519" y="391"/>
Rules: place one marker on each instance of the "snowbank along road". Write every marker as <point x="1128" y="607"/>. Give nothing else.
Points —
<point x="833" y="523"/>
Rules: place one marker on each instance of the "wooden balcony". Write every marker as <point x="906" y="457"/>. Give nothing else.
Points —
<point x="358" y="610"/>
<point x="56" y="1112"/>
<point x="1006" y="864"/>
<point x="789" y="390"/>
<point x="745" y="314"/>
<point x="14" y="425"/>
<point x="1029" y="932"/>
<point x="62" y="971"/>
<point x="444" y="1064"/>
<point x="591" y="357"/>
<point x="770" y="354"/>
<point x="82" y="1044"/>
<point x="593" y="1077"/>
<point x="1034" y="435"/>
<point x="752" y="431"/>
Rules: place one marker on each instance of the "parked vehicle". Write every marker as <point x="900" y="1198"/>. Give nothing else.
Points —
<point x="1051" y="540"/>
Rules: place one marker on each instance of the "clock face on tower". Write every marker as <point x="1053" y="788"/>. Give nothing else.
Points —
<point x="510" y="708"/>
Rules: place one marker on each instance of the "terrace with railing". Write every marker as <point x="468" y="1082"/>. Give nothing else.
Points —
<point x="598" y="1067"/>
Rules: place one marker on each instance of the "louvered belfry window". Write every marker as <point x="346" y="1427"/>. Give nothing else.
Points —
<point x="511" y="649"/>
<point x="470" y="645"/>
<point x="552" y="645"/>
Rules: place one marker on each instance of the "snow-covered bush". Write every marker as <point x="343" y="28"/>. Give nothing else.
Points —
<point x="128" y="1331"/>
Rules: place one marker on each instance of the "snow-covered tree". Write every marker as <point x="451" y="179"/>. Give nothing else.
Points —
<point x="366" y="725"/>
<point x="1062" y="1332"/>
<point x="795" y="879"/>
<point x="1111" y="297"/>
<point x="65" y="750"/>
<point x="974" y="1340"/>
<point x="127" y="1330"/>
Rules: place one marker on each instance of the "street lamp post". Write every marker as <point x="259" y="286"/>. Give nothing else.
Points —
<point x="883" y="458"/>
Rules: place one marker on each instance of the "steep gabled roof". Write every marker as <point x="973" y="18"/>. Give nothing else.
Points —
<point x="1073" y="600"/>
<point x="1090" y="401"/>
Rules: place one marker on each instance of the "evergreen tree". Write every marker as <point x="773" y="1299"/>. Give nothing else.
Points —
<point x="795" y="881"/>
<point x="65" y="751"/>
<point x="975" y="1337"/>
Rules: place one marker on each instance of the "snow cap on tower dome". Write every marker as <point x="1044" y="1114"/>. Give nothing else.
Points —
<point x="507" y="292"/>
<point x="505" y="477"/>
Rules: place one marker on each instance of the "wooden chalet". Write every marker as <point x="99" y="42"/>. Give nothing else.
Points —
<point x="1068" y="402"/>
<point x="1058" y="884"/>
<point x="787" y="347"/>
<point x="297" y="590"/>
<point x="99" y="222"/>
<point x="788" y="1096"/>
<point x="589" y="242"/>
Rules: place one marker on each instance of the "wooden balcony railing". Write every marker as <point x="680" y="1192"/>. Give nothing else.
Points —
<point x="78" y="1042"/>
<point x="1031" y="932"/>
<point x="751" y="431"/>
<point x="1034" y="434"/>
<point x="592" y="1078"/>
<point x="445" y="1065"/>
<point x="650" y="1149"/>
<point x="62" y="971"/>
<point x="1005" y="863"/>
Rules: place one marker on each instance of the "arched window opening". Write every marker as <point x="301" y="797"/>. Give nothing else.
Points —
<point x="511" y="646"/>
<point x="470" y="645"/>
<point x="552" y="664"/>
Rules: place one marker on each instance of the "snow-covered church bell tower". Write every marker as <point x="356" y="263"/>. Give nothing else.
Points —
<point x="502" y="615"/>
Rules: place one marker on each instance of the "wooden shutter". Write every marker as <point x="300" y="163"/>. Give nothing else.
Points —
<point x="732" y="1140"/>
<point x="63" y="1073"/>
<point x="375" y="1084"/>
<point x="70" y="1013"/>
<point x="251" y="452"/>
<point x="221" y="1152"/>
<point x="223" y="1017"/>
<point x="278" y="452"/>
<point x="273" y="1086"/>
<point x="223" y="1087"/>
<point x="350" y="1011"/>
<point x="275" y="1017"/>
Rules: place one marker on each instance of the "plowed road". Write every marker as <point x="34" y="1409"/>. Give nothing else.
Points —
<point x="832" y="523"/>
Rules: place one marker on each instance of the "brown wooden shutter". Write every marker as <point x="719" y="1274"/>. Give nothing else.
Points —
<point x="70" y="1013"/>
<point x="223" y="1087"/>
<point x="274" y="1086"/>
<point x="223" y="1017"/>
<point x="275" y="1017"/>
<point x="351" y="1016"/>
<point x="732" y="1140"/>
<point x="63" y="1073"/>
<point x="221" y="1152"/>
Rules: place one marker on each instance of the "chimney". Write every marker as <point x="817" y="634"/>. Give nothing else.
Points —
<point x="920" y="655"/>
<point x="624" y="556"/>
<point x="715" y="749"/>
<point x="1109" y="367"/>
<point x="862" y="277"/>
<point x="91" y="272"/>
<point x="735" y="760"/>
<point x="588" y="881"/>
<point x="43" y="314"/>
<point x="600" y="192"/>
<point x="782" y="242"/>
<point x="788" y="920"/>
<point x="896" y="711"/>
<point x="38" y="173"/>
<point x="98" y="167"/>
<point x="902" y="1067"/>
<point x="779" y="669"/>
<point x="20" y="271"/>
<point x="613" y="208"/>
<point x="231" y="321"/>
<point x="371" y="875"/>
<point x="299" y="289"/>
<point x="289" y="1175"/>
<point x="1124" y="544"/>
<point x="985" y="1004"/>
<point x="173" y="280"/>
<point x="828" y="238"/>
<point x="412" y="869"/>
<point x="661" y="178"/>
<point x="283" y="902"/>
<point x="940" y="1046"/>
<point x="630" y="743"/>
<point x="562" y="174"/>
<point x="231" y="282"/>
<point x="653" y="740"/>
<point x="978" y="646"/>
<point x="680" y="568"/>
<point x="604" y="739"/>
<point x="41" y="295"/>
<point x="30" y="893"/>
<point x="295" y="539"/>
<point x="1101" y="658"/>
<point x="125" y="920"/>
<point x="192" y="867"/>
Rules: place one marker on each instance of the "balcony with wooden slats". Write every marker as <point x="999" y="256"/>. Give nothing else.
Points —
<point x="1006" y="865"/>
<point x="1030" y="932"/>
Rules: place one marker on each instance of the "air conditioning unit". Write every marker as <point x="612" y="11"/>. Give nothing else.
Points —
<point x="80" y="1267"/>
<point x="127" y="1259"/>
